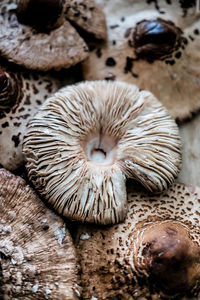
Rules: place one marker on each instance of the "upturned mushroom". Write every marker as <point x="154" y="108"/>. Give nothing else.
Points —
<point x="154" y="254"/>
<point x="42" y="35"/>
<point x="154" y="44"/>
<point x="37" y="256"/>
<point x="88" y="138"/>
<point x="21" y="93"/>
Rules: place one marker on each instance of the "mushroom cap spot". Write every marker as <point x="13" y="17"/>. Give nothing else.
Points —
<point x="32" y="259"/>
<point x="179" y="71"/>
<point x="28" y="93"/>
<point x="129" y="127"/>
<point x="112" y="261"/>
<point x="60" y="48"/>
<point x="88" y="16"/>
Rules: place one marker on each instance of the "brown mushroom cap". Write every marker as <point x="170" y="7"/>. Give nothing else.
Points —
<point x="157" y="49"/>
<point x="38" y="46"/>
<point x="154" y="254"/>
<point x="88" y="138"/>
<point x="21" y="94"/>
<point x="37" y="256"/>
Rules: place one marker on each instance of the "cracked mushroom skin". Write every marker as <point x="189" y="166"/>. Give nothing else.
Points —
<point x="154" y="254"/>
<point x="21" y="94"/>
<point x="154" y="47"/>
<point x="37" y="34"/>
<point x="88" y="138"/>
<point x="37" y="256"/>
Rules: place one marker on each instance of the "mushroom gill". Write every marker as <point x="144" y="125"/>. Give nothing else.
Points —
<point x="37" y="256"/>
<point x="153" y="254"/>
<point x="88" y="138"/>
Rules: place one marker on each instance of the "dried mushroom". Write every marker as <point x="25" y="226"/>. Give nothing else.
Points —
<point x="37" y="256"/>
<point x="37" y="34"/>
<point x="154" y="254"/>
<point x="21" y="93"/>
<point x="156" y="47"/>
<point x="88" y="138"/>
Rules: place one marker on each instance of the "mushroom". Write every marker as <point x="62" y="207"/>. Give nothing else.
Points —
<point x="88" y="138"/>
<point x="157" y="48"/>
<point x="37" y="34"/>
<point x="21" y="93"/>
<point x="153" y="254"/>
<point x="37" y="256"/>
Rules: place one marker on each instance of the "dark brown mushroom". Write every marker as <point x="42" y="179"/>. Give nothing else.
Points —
<point x="37" y="256"/>
<point x="21" y="94"/>
<point x="38" y="34"/>
<point x="154" y="254"/>
<point x="155" y="47"/>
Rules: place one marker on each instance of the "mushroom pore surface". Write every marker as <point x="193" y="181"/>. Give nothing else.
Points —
<point x="88" y="138"/>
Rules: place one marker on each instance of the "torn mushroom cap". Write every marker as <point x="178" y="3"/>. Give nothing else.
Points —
<point x="88" y="138"/>
<point x="38" y="258"/>
<point x="21" y="94"/>
<point x="50" y="42"/>
<point x="156" y="49"/>
<point x="154" y="254"/>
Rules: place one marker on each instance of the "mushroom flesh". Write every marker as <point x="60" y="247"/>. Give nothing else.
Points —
<point x="88" y="138"/>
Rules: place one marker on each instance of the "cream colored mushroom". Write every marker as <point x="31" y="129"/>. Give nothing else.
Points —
<point x="154" y="254"/>
<point x="88" y="138"/>
<point x="21" y="94"/>
<point x="155" y="47"/>
<point x="37" y="34"/>
<point x="37" y="256"/>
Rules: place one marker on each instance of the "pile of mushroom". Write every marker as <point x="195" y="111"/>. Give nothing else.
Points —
<point x="153" y="254"/>
<point x="37" y="256"/>
<point x="85" y="140"/>
<point x="41" y="34"/>
<point x="156" y="45"/>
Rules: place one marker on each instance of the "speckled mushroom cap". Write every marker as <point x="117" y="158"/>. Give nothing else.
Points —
<point x="154" y="254"/>
<point x="88" y="138"/>
<point x="156" y="45"/>
<point x="21" y="94"/>
<point x="37" y="35"/>
<point x="38" y="259"/>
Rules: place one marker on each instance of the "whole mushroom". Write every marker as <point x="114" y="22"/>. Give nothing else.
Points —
<point x="156" y="45"/>
<point x="153" y="254"/>
<point x="21" y="94"/>
<point x="88" y="138"/>
<point x="37" y="256"/>
<point x="42" y="35"/>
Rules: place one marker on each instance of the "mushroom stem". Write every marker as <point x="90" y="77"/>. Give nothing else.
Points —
<point x="40" y="14"/>
<point x="8" y="90"/>
<point x="168" y="257"/>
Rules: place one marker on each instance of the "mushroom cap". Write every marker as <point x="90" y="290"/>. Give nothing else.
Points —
<point x="60" y="47"/>
<point x="38" y="259"/>
<point x="153" y="254"/>
<point x="25" y="93"/>
<point x="88" y="138"/>
<point x="156" y="48"/>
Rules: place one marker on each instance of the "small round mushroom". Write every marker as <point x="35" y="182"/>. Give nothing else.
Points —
<point x="88" y="138"/>
<point x="154" y="254"/>
<point x="37" y="256"/>
<point x="155" y="47"/>
<point x="37" y="34"/>
<point x="21" y="93"/>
